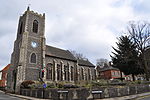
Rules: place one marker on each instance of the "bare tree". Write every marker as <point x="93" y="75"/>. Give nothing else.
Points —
<point x="102" y="62"/>
<point x="78" y="55"/>
<point x="140" y="35"/>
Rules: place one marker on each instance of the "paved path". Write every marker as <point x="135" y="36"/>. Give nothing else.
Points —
<point x="147" y="97"/>
<point x="4" y="96"/>
<point x="130" y="97"/>
<point x="8" y="96"/>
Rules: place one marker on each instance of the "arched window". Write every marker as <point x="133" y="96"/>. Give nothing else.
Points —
<point x="72" y="73"/>
<point x="35" y="26"/>
<point x="58" y="72"/>
<point x="49" y="71"/>
<point x="89" y="74"/>
<point x="61" y="75"/>
<point x="68" y="73"/>
<point x="20" y="29"/>
<point x="85" y="74"/>
<point x="79" y="74"/>
<point x="65" y="72"/>
<point x="33" y="58"/>
<point x="82" y="74"/>
<point x="94" y="76"/>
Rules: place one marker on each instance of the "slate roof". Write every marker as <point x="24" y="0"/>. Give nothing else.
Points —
<point x="108" y="68"/>
<point x="59" y="53"/>
<point x="85" y="63"/>
<point x="65" y="54"/>
<point x="6" y="68"/>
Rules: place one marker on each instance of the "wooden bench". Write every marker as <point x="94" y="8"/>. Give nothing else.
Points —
<point x="97" y="92"/>
<point x="63" y="92"/>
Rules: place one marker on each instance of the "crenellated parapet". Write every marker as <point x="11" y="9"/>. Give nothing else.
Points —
<point x="34" y="13"/>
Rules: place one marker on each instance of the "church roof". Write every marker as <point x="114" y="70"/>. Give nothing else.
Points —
<point x="67" y="55"/>
<point x="108" y="68"/>
<point x="59" y="53"/>
<point x="82" y="62"/>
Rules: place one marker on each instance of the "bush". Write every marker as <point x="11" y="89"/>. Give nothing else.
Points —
<point x="99" y="83"/>
<point x="51" y="85"/>
<point x="135" y="82"/>
<point x="27" y="83"/>
<point x="88" y="85"/>
<point x="70" y="86"/>
<point x="145" y="82"/>
<point x="32" y="86"/>
<point x="82" y="83"/>
<point x="65" y="85"/>
<point x="117" y="82"/>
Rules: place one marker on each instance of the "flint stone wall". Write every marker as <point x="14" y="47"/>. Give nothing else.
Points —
<point x="84" y="93"/>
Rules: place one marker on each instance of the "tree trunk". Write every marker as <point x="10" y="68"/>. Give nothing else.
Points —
<point x="133" y="77"/>
<point x="121" y="76"/>
<point x="146" y="67"/>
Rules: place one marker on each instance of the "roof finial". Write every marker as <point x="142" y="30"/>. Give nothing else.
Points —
<point x="28" y="9"/>
<point x="43" y="14"/>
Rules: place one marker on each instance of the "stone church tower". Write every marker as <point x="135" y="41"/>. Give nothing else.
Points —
<point x="28" y="55"/>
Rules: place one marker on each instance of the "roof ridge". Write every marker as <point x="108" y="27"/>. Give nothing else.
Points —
<point x="56" y="48"/>
<point x="85" y="62"/>
<point x="57" y="52"/>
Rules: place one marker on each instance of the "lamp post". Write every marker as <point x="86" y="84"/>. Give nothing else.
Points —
<point x="41" y="79"/>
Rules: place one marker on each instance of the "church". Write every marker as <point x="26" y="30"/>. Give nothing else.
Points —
<point x="31" y="55"/>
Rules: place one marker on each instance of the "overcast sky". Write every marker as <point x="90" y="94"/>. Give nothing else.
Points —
<point x="89" y="27"/>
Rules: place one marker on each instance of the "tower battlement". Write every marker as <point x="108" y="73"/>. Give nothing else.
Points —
<point x="34" y="13"/>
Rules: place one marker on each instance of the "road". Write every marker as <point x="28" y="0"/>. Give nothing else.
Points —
<point x="4" y="96"/>
<point x="144" y="98"/>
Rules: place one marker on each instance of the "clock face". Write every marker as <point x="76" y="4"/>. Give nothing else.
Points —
<point x="34" y="44"/>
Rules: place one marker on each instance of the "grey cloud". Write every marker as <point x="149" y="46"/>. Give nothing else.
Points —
<point x="89" y="27"/>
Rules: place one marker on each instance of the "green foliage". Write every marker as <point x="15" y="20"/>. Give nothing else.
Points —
<point x="82" y="83"/>
<point x="134" y="82"/>
<point x="140" y="32"/>
<point x="126" y="57"/>
<point x="37" y="85"/>
<point x="90" y="84"/>
<point x="100" y="83"/>
<point x="32" y="86"/>
<point x="117" y="82"/>
<point x="27" y="84"/>
<point x="62" y="84"/>
<point x="51" y="85"/>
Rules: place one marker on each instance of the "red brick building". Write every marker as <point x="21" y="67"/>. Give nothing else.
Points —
<point x="109" y="72"/>
<point x="3" y="76"/>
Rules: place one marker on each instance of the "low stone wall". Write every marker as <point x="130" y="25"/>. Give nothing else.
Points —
<point x="2" y="88"/>
<point x="85" y="94"/>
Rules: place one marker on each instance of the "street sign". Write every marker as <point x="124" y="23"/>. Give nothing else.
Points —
<point x="44" y="85"/>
